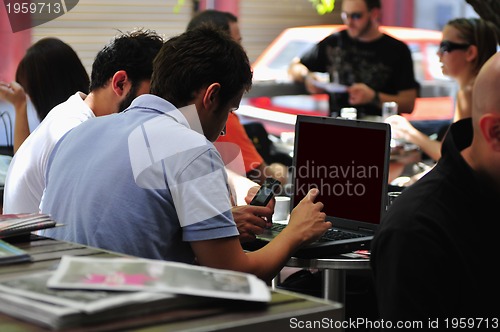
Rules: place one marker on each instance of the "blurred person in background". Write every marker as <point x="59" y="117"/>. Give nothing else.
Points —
<point x="256" y="168"/>
<point x="48" y="74"/>
<point x="466" y="45"/>
<point x="372" y="67"/>
<point x="121" y="71"/>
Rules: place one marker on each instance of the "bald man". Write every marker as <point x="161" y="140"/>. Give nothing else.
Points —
<point x="434" y="255"/>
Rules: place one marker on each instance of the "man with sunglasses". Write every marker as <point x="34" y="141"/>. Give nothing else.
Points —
<point x="373" y="66"/>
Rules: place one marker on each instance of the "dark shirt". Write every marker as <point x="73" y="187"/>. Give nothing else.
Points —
<point x="385" y="65"/>
<point x="435" y="253"/>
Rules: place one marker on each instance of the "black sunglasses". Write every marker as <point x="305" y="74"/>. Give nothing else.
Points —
<point x="449" y="46"/>
<point x="353" y="16"/>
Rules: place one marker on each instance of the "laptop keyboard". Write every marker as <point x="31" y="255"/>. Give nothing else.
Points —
<point x="330" y="235"/>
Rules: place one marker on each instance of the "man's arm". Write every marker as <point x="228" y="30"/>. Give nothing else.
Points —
<point x="301" y="74"/>
<point x="307" y="224"/>
<point x="405" y="100"/>
<point x="250" y="220"/>
<point x="360" y="93"/>
<point x="297" y="71"/>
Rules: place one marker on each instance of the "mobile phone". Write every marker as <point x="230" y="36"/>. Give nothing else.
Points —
<point x="266" y="192"/>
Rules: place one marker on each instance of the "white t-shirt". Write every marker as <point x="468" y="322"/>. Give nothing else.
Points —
<point x="25" y="179"/>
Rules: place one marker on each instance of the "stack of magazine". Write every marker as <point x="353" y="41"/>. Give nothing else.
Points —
<point x="11" y="254"/>
<point x="84" y="291"/>
<point x="24" y="223"/>
<point x="13" y="225"/>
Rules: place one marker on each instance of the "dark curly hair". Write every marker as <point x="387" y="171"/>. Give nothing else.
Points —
<point x="196" y="59"/>
<point x="132" y="52"/>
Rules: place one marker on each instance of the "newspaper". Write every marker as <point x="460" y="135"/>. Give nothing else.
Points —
<point x="136" y="274"/>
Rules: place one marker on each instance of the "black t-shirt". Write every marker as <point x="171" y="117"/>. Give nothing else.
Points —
<point x="385" y="65"/>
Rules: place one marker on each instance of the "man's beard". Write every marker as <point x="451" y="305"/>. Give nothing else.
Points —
<point x="131" y="95"/>
<point x="365" y="30"/>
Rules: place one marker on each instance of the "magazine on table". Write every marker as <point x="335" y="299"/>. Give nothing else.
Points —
<point x="28" y="298"/>
<point x="136" y="274"/>
<point x="23" y="223"/>
<point x="34" y="286"/>
<point x="12" y="254"/>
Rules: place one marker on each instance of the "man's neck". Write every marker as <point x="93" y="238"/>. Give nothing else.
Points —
<point x="371" y="35"/>
<point x="99" y="103"/>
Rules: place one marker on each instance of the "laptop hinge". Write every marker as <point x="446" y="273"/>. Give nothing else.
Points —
<point x="367" y="230"/>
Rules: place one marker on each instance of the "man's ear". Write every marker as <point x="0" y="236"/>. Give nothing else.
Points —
<point x="490" y="127"/>
<point x="211" y="97"/>
<point x="375" y="14"/>
<point x="120" y="83"/>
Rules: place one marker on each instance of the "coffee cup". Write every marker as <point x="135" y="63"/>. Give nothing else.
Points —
<point x="281" y="208"/>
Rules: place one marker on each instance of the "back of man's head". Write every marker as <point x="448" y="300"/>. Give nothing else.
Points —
<point x="196" y="59"/>
<point x="214" y="17"/>
<point x="132" y="52"/>
<point x="486" y="98"/>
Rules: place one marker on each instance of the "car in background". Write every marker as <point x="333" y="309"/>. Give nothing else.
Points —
<point x="275" y="99"/>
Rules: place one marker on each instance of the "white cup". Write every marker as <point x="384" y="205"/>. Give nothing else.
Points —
<point x="281" y="208"/>
<point x="350" y="113"/>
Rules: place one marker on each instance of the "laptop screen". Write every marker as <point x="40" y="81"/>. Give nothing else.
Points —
<point x="348" y="161"/>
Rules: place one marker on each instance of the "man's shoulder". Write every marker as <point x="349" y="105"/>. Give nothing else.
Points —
<point x="335" y="37"/>
<point x="73" y="106"/>
<point x="388" y="39"/>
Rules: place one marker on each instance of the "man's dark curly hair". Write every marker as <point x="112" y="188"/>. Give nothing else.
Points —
<point x="196" y="59"/>
<point x="132" y="52"/>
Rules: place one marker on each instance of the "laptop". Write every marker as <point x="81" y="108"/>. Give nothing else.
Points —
<point x="348" y="161"/>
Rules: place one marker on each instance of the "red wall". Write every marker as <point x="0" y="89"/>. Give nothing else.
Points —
<point x="12" y="47"/>
<point x="231" y="6"/>
<point x="397" y="13"/>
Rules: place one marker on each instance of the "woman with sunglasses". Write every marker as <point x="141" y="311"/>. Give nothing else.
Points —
<point x="465" y="47"/>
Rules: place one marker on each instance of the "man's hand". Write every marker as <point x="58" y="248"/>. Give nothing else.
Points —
<point x="251" y="220"/>
<point x="307" y="221"/>
<point x="360" y="93"/>
<point x="310" y="85"/>
<point x="252" y="192"/>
